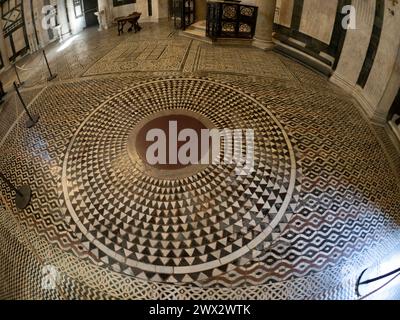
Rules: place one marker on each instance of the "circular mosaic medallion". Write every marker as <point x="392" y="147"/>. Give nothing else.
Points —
<point x="138" y="144"/>
<point x="188" y="226"/>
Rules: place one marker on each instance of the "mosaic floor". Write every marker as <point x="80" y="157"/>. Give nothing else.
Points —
<point x="321" y="205"/>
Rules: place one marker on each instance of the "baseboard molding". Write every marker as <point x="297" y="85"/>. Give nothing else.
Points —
<point x="342" y="83"/>
<point x="149" y="19"/>
<point x="303" y="58"/>
<point x="357" y="93"/>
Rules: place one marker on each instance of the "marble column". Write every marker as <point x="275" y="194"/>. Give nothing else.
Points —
<point x="265" y="22"/>
<point x="106" y="18"/>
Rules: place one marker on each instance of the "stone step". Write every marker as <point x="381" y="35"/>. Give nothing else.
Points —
<point x="197" y="31"/>
<point x="196" y="34"/>
<point x="200" y="25"/>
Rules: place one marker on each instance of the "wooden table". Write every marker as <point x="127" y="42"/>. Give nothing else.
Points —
<point x="133" y="19"/>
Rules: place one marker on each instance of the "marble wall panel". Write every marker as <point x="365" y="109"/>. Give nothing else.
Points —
<point x="385" y="64"/>
<point x="318" y="19"/>
<point x="356" y="43"/>
<point x="284" y="12"/>
<point x="77" y="24"/>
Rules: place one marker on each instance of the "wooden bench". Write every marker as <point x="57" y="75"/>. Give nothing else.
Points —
<point x="133" y="19"/>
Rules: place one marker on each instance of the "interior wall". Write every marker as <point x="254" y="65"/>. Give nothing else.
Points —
<point x="77" y="24"/>
<point x="139" y="6"/>
<point x="356" y="44"/>
<point x="383" y="79"/>
<point x="30" y="30"/>
<point x="312" y="27"/>
<point x="13" y="30"/>
<point x="163" y="9"/>
<point x="391" y="91"/>
<point x="62" y="17"/>
<point x="201" y="10"/>
<point x="321" y="28"/>
<point x="38" y="37"/>
<point x="125" y="9"/>
<point x="363" y="61"/>
<point x="284" y="12"/>
<point x="294" y="19"/>
<point x="314" y="18"/>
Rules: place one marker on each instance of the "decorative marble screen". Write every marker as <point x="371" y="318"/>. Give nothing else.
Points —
<point x="318" y="19"/>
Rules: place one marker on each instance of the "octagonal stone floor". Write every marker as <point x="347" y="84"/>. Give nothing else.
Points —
<point x="321" y="205"/>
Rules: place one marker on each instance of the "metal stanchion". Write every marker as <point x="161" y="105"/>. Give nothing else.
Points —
<point x="33" y="119"/>
<point x="23" y="194"/>
<point x="52" y="76"/>
<point x="20" y="83"/>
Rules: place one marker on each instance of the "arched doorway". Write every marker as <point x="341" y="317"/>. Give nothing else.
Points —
<point x="89" y="8"/>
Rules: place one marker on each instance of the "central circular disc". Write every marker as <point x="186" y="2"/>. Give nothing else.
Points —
<point x="166" y="125"/>
<point x="170" y="126"/>
<point x="192" y="224"/>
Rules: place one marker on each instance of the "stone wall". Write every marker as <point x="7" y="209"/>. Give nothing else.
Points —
<point x="315" y="18"/>
<point x="382" y="82"/>
<point x="37" y="37"/>
<point x="364" y="62"/>
<point x="312" y="27"/>
<point x="318" y="19"/>
<point x="141" y="6"/>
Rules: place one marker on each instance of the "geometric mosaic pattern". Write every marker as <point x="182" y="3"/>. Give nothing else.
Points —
<point x="72" y="58"/>
<point x="231" y="59"/>
<point x="316" y="157"/>
<point x="178" y="229"/>
<point x="144" y="55"/>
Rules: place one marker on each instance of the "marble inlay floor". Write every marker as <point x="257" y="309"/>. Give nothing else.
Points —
<point x="321" y="205"/>
<point x="144" y="55"/>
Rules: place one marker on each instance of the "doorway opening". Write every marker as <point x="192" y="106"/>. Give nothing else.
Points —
<point x="89" y="9"/>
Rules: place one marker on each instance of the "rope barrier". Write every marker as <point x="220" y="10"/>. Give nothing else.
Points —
<point x="29" y="69"/>
<point x="24" y="68"/>
<point x="41" y="260"/>
<point x="33" y="119"/>
<point x="41" y="72"/>
<point x="44" y="260"/>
